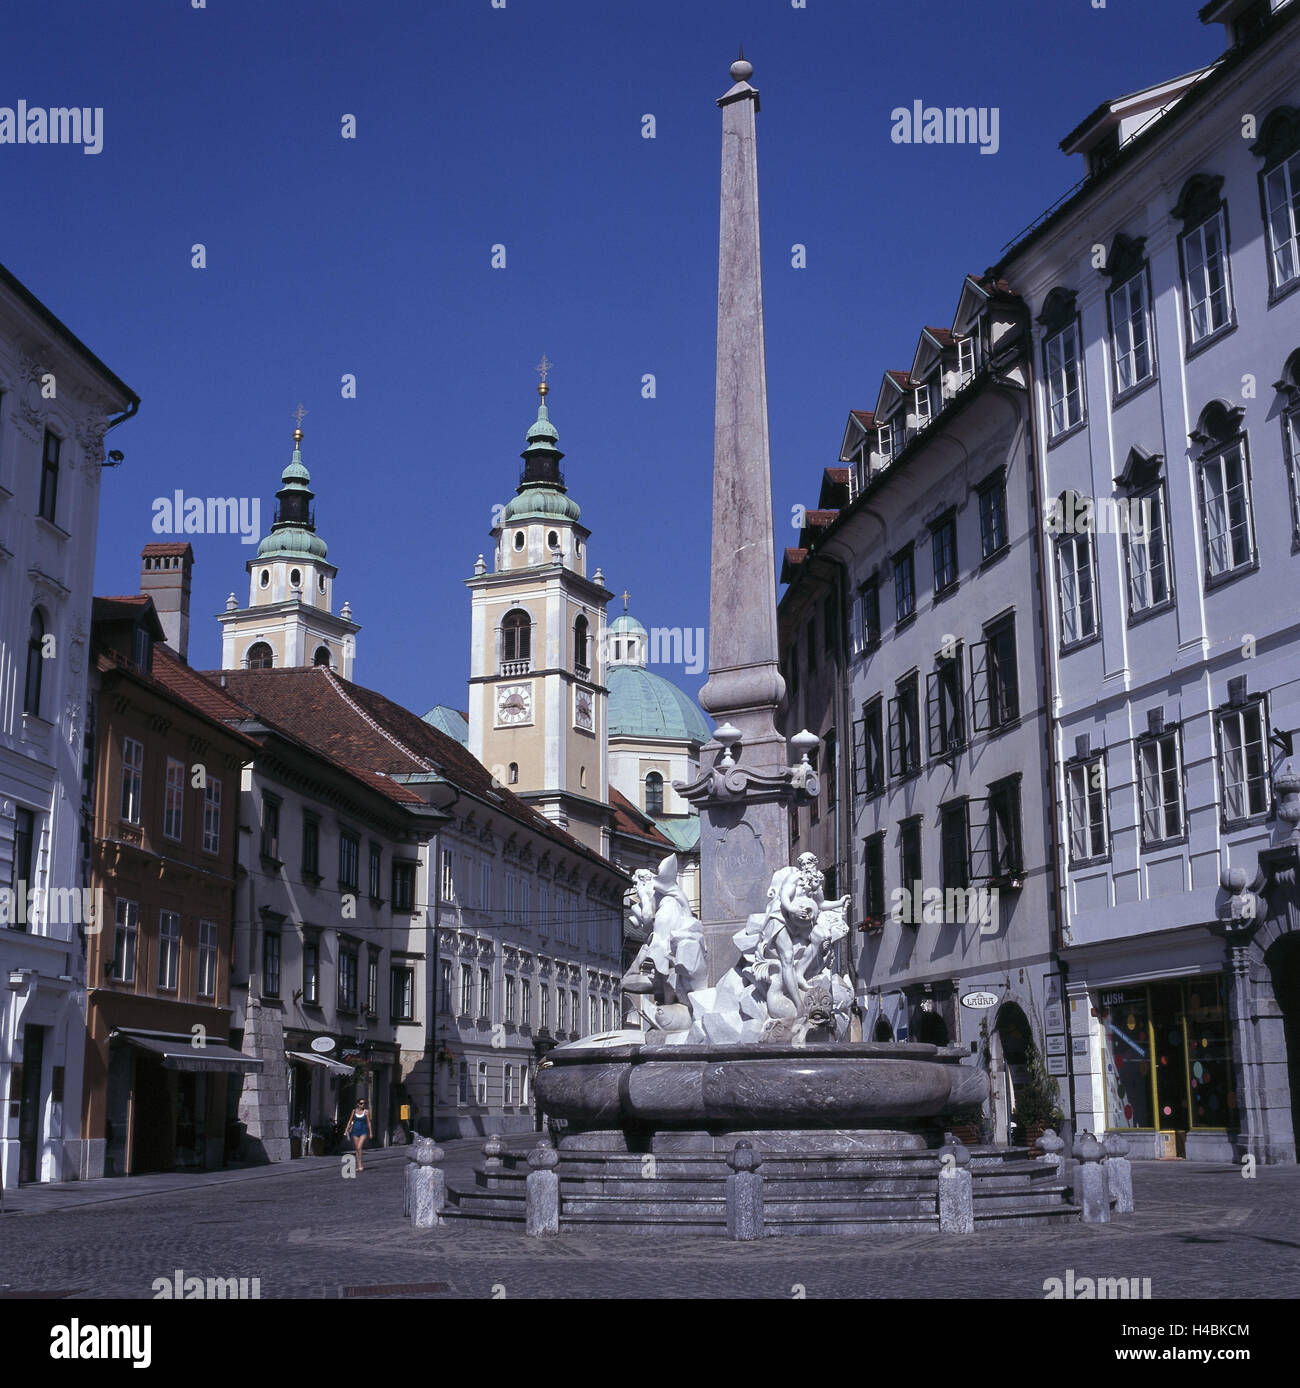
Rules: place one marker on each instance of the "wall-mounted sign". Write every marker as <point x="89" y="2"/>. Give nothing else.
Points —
<point x="1056" y="1045"/>
<point x="349" y="1055"/>
<point x="1058" y="1064"/>
<point x="980" y="1000"/>
<point x="1079" y="1045"/>
<point x="322" y="1043"/>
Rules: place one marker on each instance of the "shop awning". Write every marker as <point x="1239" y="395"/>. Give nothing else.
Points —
<point x="178" y="1052"/>
<point x="311" y="1058"/>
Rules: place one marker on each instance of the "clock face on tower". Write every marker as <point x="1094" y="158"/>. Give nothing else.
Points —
<point x="514" y="704"/>
<point x="582" y="716"/>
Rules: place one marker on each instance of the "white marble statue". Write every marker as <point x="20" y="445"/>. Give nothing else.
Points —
<point x="782" y="988"/>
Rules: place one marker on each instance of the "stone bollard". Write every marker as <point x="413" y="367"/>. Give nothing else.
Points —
<point x="1052" y="1149"/>
<point x="744" y="1193"/>
<point x="542" y="1190"/>
<point x="408" y="1185"/>
<point x="956" y="1189"/>
<point x="1090" y="1192"/>
<point x="1119" y="1173"/>
<point x="492" y="1150"/>
<point x="428" y="1184"/>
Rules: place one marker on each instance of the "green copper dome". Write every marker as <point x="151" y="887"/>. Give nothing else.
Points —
<point x="542" y="503"/>
<point x="646" y="705"/>
<point x="627" y="624"/>
<point x="293" y="536"/>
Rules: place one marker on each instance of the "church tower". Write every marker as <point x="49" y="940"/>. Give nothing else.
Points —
<point x="289" y="620"/>
<point x="537" y="701"/>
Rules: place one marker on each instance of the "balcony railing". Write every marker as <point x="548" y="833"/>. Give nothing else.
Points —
<point x="516" y="667"/>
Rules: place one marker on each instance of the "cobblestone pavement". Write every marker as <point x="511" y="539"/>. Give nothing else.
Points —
<point x="1200" y="1232"/>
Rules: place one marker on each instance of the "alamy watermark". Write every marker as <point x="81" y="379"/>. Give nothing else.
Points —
<point x="918" y="905"/>
<point x="179" y="514"/>
<point x="1072" y="514"/>
<point x="22" y="904"/>
<point x="920" y="124"/>
<point x="53" y="125"/>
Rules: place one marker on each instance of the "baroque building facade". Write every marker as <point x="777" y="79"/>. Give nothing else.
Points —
<point x="57" y="401"/>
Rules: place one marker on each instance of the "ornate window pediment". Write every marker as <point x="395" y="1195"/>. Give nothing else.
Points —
<point x="1219" y="423"/>
<point x="1289" y="382"/>
<point x="1199" y="199"/>
<point x="1058" y="309"/>
<point x="1126" y="258"/>
<point x="1140" y="471"/>
<point x="1279" y="136"/>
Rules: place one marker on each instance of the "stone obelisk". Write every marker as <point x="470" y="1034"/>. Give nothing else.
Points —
<point x="744" y="797"/>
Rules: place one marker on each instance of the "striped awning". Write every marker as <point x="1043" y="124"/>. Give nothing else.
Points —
<point x="178" y="1052"/>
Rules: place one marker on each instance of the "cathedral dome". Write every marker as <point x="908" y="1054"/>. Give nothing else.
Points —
<point x="642" y="704"/>
<point x="541" y="503"/>
<point x="291" y="543"/>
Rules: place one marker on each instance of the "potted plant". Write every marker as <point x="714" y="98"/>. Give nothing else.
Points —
<point x="967" y="1125"/>
<point x="1037" y="1103"/>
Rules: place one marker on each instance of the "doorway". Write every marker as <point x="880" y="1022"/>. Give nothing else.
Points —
<point x="1284" y="961"/>
<point x="30" y="1106"/>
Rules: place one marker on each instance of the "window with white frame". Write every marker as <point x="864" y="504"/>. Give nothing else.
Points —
<point x="447" y="884"/>
<point x="212" y="816"/>
<point x="482" y="1083"/>
<point x="1160" y="787"/>
<point x="1291" y="439"/>
<point x="444" y="986"/>
<point x="1227" y="523"/>
<point x="1243" y="761"/>
<point x="348" y="963"/>
<point x="885" y="444"/>
<point x="523" y="1085"/>
<point x="593" y="1013"/>
<point x="485" y="886"/>
<point x="508" y="1084"/>
<point x="525" y="1002"/>
<point x="485" y="994"/>
<point x="1086" y="781"/>
<point x="510" y="896"/>
<point x="169" y="950"/>
<point x="561" y="1010"/>
<point x="1207" y="282"/>
<point x="993" y="515"/>
<point x="1130" y="331"/>
<point x="965" y="360"/>
<point x="1282" y="207"/>
<point x="1064" y="379"/>
<point x="466" y="990"/>
<point x="511" y="993"/>
<point x="208" y="938"/>
<point x="125" y="939"/>
<point x="1078" y="594"/>
<point x="132" y="779"/>
<point x="174" y="801"/>
<point x="311" y="970"/>
<point x="923" y="406"/>
<point x="1146" y="553"/>
<point x="544" y="999"/>
<point x="462" y="1082"/>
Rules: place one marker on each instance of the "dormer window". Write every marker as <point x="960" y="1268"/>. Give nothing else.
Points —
<point x="142" y="650"/>
<point x="923" y="407"/>
<point x="885" y="444"/>
<point x="1104" y="153"/>
<point x="965" y="361"/>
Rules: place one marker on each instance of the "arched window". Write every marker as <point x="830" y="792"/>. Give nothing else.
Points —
<point x="931" y="1028"/>
<point x="322" y="656"/>
<point x="35" y="665"/>
<point x="514" y="773"/>
<point x="516" y="637"/>
<point x="260" y="656"/>
<point x="654" y="794"/>
<point x="580" y="661"/>
<point x="883" y="1031"/>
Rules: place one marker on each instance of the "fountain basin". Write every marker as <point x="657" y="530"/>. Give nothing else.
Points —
<point x="831" y="1085"/>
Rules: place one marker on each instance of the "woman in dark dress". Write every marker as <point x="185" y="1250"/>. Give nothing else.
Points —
<point x="359" y="1130"/>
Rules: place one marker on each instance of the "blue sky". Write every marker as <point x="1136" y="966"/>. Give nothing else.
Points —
<point x="520" y="126"/>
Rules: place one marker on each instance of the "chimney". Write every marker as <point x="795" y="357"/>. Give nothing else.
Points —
<point x="165" y="577"/>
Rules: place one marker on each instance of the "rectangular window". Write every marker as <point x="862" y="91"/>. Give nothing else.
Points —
<point x="404" y="886"/>
<point x="544" y="993"/>
<point x="525" y="1002"/>
<point x="869" y="614"/>
<point x="885" y="444"/>
<point x="1146" y="553"/>
<point x="20" y="869"/>
<point x="447" y="883"/>
<point x="482" y="1083"/>
<point x="310" y="846"/>
<point x="1064" y="380"/>
<point x="1130" y="333"/>
<point x="349" y="860"/>
<point x="347" y="998"/>
<point x="271" y="964"/>
<point x="125" y="938"/>
<point x="511" y="996"/>
<point x="954" y="838"/>
<point x="132" y="779"/>
<point x="945" y="707"/>
<point x="993" y="515"/>
<point x="1291" y="446"/>
<point x="1086" y="785"/>
<point x="904" y="730"/>
<point x="1207" y="282"/>
<point x="466" y="990"/>
<point x="1076" y="589"/>
<point x="923" y="407"/>
<point x="510" y="896"/>
<point x="485" y="887"/>
<point x="995" y="689"/>
<point x="965" y="361"/>
<point x="508" y="1092"/>
<point x="174" y="801"/>
<point x="212" y="817"/>
<point x="1006" y="859"/>
<point x="904" y="585"/>
<point x="372" y="985"/>
<point x="462" y="1082"/>
<point x="1282" y="204"/>
<point x="909" y="851"/>
<point x="561" y="1010"/>
<point x="444" y="987"/>
<point x="50" y="477"/>
<point x="377" y="873"/>
<point x="485" y="994"/>
<point x="401" y="983"/>
<point x="169" y="950"/>
<point x="1160" y="787"/>
<point x="873" y="875"/>
<point x="1243" y="762"/>
<point x="208" y="938"/>
<point x="593" y="1014"/>
<point x="270" y="828"/>
<point x="869" y="750"/>
<point x="1226" y="521"/>
<point x="943" y="542"/>
<point x="311" y="971"/>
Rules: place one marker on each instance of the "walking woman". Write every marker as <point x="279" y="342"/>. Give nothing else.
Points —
<point x="358" y="1130"/>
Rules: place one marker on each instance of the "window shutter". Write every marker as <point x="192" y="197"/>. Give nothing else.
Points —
<point x="979" y="854"/>
<point x="982" y="715"/>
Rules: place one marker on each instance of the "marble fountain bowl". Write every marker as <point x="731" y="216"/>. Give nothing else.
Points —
<point x="616" y="1081"/>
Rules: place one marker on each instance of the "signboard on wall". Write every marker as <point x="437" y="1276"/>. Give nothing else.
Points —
<point x="1058" y="1064"/>
<point x="1056" y="1045"/>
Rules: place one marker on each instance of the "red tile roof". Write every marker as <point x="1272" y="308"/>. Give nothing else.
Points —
<point x="168" y="547"/>
<point x="127" y="607"/>
<point x="866" y="418"/>
<point x="630" y="821"/>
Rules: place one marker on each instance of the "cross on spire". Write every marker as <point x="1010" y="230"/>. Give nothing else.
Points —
<point x="625" y="595"/>
<point x="298" y="416"/>
<point x="543" y="369"/>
